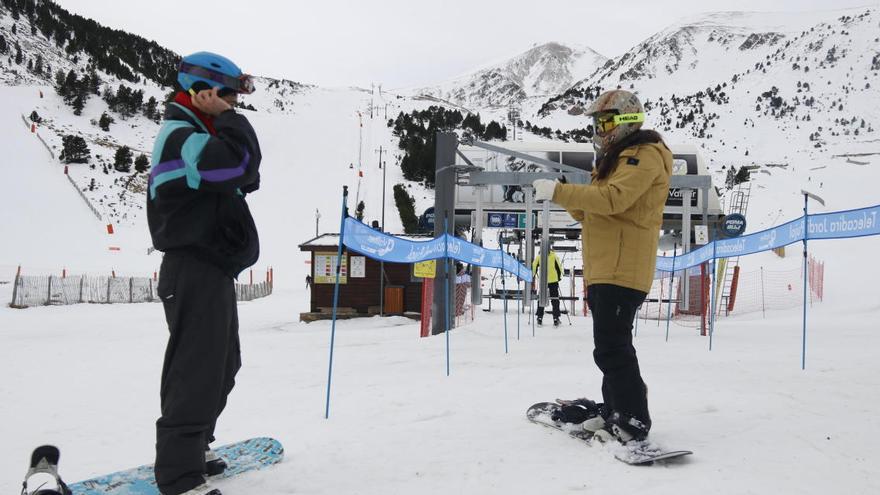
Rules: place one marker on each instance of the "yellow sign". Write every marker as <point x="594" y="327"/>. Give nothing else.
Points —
<point x="425" y="269"/>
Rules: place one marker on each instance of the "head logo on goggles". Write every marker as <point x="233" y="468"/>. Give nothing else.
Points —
<point x="607" y="121"/>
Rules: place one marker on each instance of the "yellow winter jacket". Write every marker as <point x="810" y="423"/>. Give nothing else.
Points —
<point x="554" y="269"/>
<point x="621" y="216"/>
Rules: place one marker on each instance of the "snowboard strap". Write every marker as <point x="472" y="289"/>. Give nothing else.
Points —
<point x="42" y="463"/>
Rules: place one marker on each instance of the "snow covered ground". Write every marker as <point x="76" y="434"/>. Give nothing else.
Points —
<point x="86" y="379"/>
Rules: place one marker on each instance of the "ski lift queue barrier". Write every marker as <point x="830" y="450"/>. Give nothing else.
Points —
<point x="380" y="246"/>
<point x="835" y="225"/>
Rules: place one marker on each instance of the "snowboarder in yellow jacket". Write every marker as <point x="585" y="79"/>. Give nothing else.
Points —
<point x="621" y="212"/>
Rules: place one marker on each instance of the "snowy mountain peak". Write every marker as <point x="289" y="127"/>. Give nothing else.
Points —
<point x="542" y="70"/>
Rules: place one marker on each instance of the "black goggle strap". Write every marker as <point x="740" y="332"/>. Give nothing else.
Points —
<point x="243" y="84"/>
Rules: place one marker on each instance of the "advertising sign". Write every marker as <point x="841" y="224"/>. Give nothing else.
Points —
<point x="325" y="269"/>
<point x="734" y="225"/>
<point x="425" y="269"/>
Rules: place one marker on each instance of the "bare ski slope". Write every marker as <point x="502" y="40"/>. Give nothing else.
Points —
<point x="46" y="225"/>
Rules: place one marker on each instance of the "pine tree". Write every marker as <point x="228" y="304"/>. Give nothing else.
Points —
<point x="59" y="82"/>
<point x="19" y="57"/>
<point x="94" y="86"/>
<point x="38" y="67"/>
<point x="122" y="159"/>
<point x="141" y="163"/>
<point x="75" y="150"/>
<point x="406" y="207"/>
<point x="4" y="47"/>
<point x="105" y="121"/>
<point x="70" y="84"/>
<point x="78" y="104"/>
<point x="150" y="109"/>
<point x="742" y="175"/>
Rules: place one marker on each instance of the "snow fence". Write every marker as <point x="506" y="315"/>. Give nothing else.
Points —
<point x="32" y="290"/>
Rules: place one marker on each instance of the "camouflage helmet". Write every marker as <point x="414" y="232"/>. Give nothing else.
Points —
<point x="616" y="114"/>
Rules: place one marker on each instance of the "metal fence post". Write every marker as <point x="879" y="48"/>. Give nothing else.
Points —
<point x="49" y="292"/>
<point x="15" y="287"/>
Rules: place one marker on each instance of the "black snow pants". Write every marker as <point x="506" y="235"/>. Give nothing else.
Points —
<point x="553" y="290"/>
<point x="614" y="309"/>
<point x="201" y="361"/>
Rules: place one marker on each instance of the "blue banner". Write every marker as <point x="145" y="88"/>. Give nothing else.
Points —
<point x="835" y="225"/>
<point x="843" y="224"/>
<point x="384" y="247"/>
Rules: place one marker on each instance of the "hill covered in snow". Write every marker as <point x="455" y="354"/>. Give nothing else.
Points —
<point x="540" y="71"/>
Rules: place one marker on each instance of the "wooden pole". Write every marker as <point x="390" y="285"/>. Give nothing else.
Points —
<point x="15" y="286"/>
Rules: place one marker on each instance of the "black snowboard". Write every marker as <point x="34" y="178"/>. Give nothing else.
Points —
<point x="634" y="453"/>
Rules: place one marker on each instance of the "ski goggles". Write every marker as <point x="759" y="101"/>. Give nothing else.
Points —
<point x="606" y="121"/>
<point x="243" y="84"/>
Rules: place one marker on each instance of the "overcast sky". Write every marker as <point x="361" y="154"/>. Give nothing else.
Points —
<point x="400" y="43"/>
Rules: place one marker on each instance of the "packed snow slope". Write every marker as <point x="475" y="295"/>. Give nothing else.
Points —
<point x="86" y="378"/>
<point x="45" y="222"/>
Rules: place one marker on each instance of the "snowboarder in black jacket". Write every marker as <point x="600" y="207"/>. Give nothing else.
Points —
<point x="205" y="161"/>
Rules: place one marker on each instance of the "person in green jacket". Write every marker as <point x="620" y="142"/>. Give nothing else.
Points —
<point x="554" y="275"/>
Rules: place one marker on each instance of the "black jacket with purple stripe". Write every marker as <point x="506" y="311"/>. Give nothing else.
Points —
<point x="197" y="187"/>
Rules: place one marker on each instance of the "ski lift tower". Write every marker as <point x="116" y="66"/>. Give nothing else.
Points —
<point x="448" y="175"/>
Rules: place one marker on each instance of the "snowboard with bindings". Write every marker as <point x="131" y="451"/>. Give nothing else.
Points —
<point x="44" y="465"/>
<point x="240" y="457"/>
<point x="634" y="453"/>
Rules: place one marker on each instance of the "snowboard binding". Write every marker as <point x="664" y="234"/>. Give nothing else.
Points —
<point x="576" y="411"/>
<point x="44" y="461"/>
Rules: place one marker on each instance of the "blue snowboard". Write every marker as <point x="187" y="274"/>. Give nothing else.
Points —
<point x="249" y="455"/>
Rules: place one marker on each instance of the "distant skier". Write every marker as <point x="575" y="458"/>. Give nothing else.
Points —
<point x="205" y="160"/>
<point x="554" y="275"/>
<point x="621" y="212"/>
<point x="308" y="281"/>
<point x="462" y="284"/>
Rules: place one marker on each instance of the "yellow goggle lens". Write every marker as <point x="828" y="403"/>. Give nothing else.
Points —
<point x="606" y="122"/>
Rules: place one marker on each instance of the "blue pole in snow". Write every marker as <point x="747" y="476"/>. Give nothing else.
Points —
<point x="336" y="298"/>
<point x="446" y="283"/>
<point x="713" y="276"/>
<point x="531" y="306"/>
<point x="518" y="305"/>
<point x="804" y="337"/>
<point x="504" y="290"/>
<point x="671" y="280"/>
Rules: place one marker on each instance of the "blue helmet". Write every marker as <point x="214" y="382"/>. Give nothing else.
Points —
<point x="214" y="70"/>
